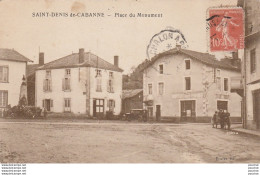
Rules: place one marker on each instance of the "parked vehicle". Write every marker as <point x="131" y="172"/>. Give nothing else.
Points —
<point x="135" y="114"/>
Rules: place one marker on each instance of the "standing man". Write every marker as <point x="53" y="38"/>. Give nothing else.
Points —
<point x="221" y="116"/>
<point x="227" y="119"/>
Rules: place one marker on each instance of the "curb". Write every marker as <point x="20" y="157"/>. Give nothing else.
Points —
<point x="245" y="132"/>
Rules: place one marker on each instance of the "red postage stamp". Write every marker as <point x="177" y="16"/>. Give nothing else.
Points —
<point x="226" y="29"/>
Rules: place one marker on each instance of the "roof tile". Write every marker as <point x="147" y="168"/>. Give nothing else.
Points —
<point x="12" y="55"/>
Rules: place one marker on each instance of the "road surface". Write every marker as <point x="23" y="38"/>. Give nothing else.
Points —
<point x="117" y="142"/>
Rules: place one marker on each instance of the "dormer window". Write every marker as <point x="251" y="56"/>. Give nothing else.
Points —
<point x="187" y="64"/>
<point x="161" y="68"/>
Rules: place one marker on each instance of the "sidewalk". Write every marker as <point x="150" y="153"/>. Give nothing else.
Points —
<point x="241" y="130"/>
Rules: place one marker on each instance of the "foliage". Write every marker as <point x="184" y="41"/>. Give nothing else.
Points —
<point x="21" y="111"/>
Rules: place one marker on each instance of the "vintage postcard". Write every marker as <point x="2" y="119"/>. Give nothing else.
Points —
<point x="135" y="81"/>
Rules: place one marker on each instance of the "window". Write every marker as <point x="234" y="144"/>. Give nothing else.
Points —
<point x="47" y="104"/>
<point x="47" y="85"/>
<point x="252" y="61"/>
<point x="4" y="74"/>
<point x="47" y="81"/>
<point x="187" y="64"/>
<point x="161" y="68"/>
<point x="218" y="73"/>
<point x="48" y="74"/>
<point x="187" y="83"/>
<point x="110" y="86"/>
<point x="225" y="84"/>
<point x="3" y="98"/>
<point x="218" y="80"/>
<point x="67" y="72"/>
<point x="99" y="84"/>
<point x="150" y="89"/>
<point x="98" y="73"/>
<point x="161" y="87"/>
<point x="67" y="105"/>
<point x="66" y="84"/>
<point x="111" y="75"/>
<point x="111" y="105"/>
<point x="218" y="83"/>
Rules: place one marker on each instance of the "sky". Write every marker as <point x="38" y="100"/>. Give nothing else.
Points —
<point x="108" y="36"/>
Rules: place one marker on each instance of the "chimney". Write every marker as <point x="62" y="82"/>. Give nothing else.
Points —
<point x="81" y="55"/>
<point x="235" y="55"/>
<point x="116" y="60"/>
<point x="178" y="46"/>
<point x="41" y="58"/>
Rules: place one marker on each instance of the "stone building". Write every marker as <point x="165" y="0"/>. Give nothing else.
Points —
<point x="185" y="85"/>
<point x="80" y="83"/>
<point x="251" y="64"/>
<point x="12" y="70"/>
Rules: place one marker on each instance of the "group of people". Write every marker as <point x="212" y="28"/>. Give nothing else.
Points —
<point x="221" y="117"/>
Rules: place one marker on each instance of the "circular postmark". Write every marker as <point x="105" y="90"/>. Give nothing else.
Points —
<point x="164" y="41"/>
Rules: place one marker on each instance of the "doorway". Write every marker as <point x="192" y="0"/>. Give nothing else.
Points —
<point x="98" y="108"/>
<point x="3" y="102"/>
<point x="47" y="104"/>
<point x="222" y="105"/>
<point x="188" y="110"/>
<point x="150" y="112"/>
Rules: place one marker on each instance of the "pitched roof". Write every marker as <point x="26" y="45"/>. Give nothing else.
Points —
<point x="131" y="93"/>
<point x="12" y="55"/>
<point x="205" y="58"/>
<point x="31" y="68"/>
<point x="72" y="60"/>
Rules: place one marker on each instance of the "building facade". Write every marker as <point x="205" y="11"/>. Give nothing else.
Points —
<point x="12" y="70"/>
<point x="184" y="85"/>
<point x="80" y="83"/>
<point x="251" y="64"/>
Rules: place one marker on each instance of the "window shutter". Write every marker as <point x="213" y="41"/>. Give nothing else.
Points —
<point x="69" y="84"/>
<point x="63" y="84"/>
<point x="43" y="105"/>
<point x="112" y="85"/>
<point x="107" y="85"/>
<point x="50" y="85"/>
<point x="64" y="104"/>
<point x="44" y="85"/>
<point x="70" y="104"/>
<point x="51" y="101"/>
